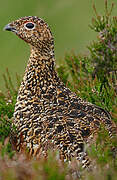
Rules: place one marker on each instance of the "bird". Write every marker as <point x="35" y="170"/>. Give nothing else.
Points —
<point x="47" y="114"/>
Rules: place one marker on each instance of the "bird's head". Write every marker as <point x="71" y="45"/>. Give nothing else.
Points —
<point x="32" y="30"/>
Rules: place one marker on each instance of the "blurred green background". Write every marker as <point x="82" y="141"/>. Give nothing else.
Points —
<point x="68" y="19"/>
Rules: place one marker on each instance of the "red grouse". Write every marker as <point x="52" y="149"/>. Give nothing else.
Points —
<point x="47" y="114"/>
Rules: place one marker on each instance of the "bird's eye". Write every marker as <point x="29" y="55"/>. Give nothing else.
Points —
<point x="29" y="25"/>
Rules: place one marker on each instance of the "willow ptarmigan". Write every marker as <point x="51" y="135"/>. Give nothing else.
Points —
<point x="47" y="114"/>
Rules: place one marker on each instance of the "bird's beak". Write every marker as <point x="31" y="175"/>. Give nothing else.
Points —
<point x="9" y="27"/>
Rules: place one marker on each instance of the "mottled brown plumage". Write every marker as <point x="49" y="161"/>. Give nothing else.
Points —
<point x="47" y="114"/>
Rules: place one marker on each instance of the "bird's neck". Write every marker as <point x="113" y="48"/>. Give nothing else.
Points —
<point x="41" y="61"/>
<point x="40" y="71"/>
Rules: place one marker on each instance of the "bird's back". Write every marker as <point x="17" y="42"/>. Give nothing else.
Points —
<point x="57" y="119"/>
